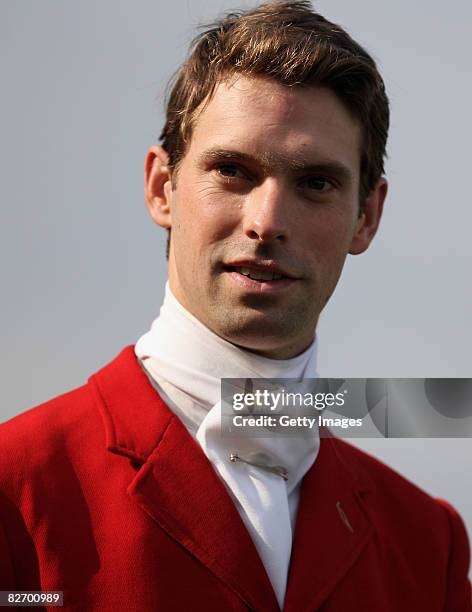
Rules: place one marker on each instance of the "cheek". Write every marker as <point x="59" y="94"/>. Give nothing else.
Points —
<point x="326" y="244"/>
<point x="327" y="236"/>
<point x="205" y="215"/>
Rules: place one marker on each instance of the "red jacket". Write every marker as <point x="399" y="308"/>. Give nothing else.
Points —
<point x="105" y="496"/>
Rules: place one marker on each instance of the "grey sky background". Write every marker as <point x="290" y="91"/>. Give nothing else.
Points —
<point x="83" y="267"/>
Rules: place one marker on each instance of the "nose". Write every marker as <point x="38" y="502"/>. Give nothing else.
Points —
<point x="266" y="213"/>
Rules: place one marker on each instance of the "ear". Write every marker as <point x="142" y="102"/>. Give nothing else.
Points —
<point x="158" y="186"/>
<point x="368" y="221"/>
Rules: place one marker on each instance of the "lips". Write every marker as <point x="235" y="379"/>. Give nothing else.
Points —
<point x="262" y="271"/>
<point x="260" y="275"/>
<point x="260" y="278"/>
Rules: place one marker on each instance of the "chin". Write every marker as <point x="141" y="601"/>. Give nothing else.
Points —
<point x="263" y="339"/>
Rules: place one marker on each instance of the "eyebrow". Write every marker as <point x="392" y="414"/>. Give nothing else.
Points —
<point x="278" y="161"/>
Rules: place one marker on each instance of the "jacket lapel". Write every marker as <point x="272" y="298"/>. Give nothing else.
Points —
<point x="332" y="527"/>
<point x="177" y="485"/>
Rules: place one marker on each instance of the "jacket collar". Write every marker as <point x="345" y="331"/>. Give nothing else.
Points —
<point x="178" y="487"/>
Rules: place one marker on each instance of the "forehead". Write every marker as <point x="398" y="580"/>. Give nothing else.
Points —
<point x="266" y="117"/>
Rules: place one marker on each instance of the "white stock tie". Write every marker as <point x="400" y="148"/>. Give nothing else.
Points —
<point x="261" y="497"/>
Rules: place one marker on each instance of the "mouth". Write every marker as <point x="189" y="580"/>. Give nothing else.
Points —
<point x="261" y="277"/>
<point x="255" y="274"/>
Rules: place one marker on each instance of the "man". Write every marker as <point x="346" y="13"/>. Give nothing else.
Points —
<point x="124" y="494"/>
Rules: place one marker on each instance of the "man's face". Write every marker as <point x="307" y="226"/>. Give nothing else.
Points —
<point x="268" y="186"/>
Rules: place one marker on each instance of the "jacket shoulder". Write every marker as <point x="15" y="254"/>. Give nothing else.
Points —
<point x="415" y="523"/>
<point x="385" y="480"/>
<point x="60" y="412"/>
<point x="400" y="506"/>
<point x="396" y="502"/>
<point x="40" y="436"/>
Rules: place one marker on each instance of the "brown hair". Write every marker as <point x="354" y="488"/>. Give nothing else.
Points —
<point x="292" y="44"/>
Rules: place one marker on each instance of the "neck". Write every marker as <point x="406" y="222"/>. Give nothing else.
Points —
<point x="195" y="359"/>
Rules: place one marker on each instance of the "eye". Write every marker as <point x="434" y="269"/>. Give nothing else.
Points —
<point x="230" y="171"/>
<point x="319" y="184"/>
